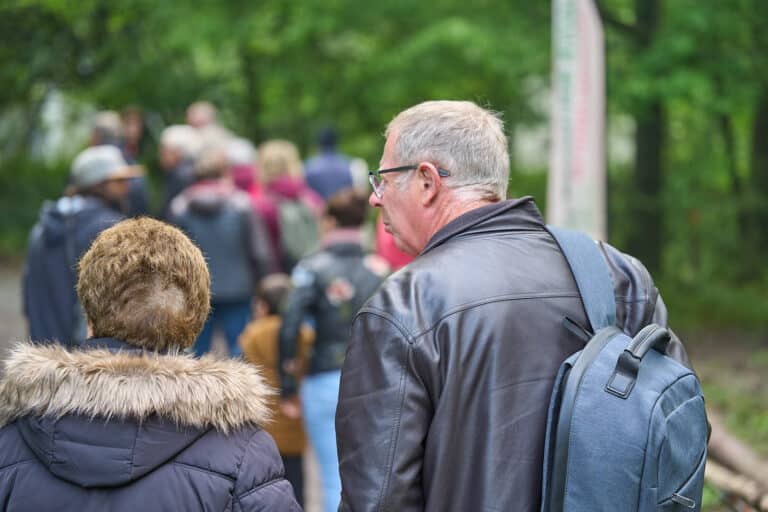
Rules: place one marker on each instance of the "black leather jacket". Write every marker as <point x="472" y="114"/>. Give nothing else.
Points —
<point x="446" y="384"/>
<point x="330" y="286"/>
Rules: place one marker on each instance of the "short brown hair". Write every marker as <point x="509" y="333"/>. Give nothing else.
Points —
<point x="144" y="282"/>
<point x="273" y="290"/>
<point x="348" y="207"/>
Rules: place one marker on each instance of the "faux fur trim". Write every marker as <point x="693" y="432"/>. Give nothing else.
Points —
<point x="50" y="380"/>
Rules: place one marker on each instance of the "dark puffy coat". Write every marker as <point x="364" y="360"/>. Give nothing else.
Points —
<point x="64" y="231"/>
<point x="330" y="286"/>
<point x="176" y="180"/>
<point x="446" y="384"/>
<point x="219" y="218"/>
<point x="114" y="428"/>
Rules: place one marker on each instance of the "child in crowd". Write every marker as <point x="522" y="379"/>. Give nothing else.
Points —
<point x="258" y="343"/>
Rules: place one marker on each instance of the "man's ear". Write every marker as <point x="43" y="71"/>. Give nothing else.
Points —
<point x="429" y="183"/>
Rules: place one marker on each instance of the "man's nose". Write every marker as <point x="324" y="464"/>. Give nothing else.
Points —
<point x="374" y="200"/>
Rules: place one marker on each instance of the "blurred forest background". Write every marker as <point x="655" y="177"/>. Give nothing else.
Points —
<point x="687" y="119"/>
<point x="687" y="85"/>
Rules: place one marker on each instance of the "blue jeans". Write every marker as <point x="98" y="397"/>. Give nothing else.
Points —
<point x="319" y="395"/>
<point x="232" y="317"/>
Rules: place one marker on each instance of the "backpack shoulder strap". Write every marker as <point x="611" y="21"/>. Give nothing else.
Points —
<point x="592" y="275"/>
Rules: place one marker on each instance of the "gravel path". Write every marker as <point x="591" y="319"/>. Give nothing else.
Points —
<point x="12" y="327"/>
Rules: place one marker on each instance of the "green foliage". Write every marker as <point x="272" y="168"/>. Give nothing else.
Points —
<point x="25" y="185"/>
<point x="711" y="498"/>
<point x="744" y="412"/>
<point x="529" y="182"/>
<point x="285" y="69"/>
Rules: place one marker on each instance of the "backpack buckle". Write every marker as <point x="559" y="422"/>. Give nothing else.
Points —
<point x="682" y="500"/>
<point x="624" y="375"/>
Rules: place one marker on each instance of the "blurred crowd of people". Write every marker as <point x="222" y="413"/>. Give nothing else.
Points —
<point x="432" y="389"/>
<point x="285" y="242"/>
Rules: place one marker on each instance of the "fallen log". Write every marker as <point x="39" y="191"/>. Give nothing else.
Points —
<point x="734" y="454"/>
<point x="738" y="485"/>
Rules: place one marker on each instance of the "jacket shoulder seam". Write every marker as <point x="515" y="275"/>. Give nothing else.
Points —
<point x="259" y="487"/>
<point x="410" y="338"/>
<point x="394" y="434"/>
<point x="17" y="463"/>
<point x="497" y="298"/>
<point x="203" y="470"/>
<point x="245" y="452"/>
<point x="133" y="449"/>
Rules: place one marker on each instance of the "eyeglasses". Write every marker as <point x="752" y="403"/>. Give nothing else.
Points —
<point x="378" y="184"/>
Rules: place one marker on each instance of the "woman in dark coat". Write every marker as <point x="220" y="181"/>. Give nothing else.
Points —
<point x="127" y="421"/>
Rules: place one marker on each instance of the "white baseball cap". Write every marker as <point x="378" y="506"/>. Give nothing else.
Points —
<point x="98" y="164"/>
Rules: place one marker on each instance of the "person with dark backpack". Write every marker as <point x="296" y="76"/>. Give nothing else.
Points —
<point x="446" y="384"/>
<point x="329" y="287"/>
<point x="96" y="199"/>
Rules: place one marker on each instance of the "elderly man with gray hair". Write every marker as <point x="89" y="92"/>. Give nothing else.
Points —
<point x="446" y="383"/>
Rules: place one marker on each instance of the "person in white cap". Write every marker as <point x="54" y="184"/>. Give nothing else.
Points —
<point x="107" y="128"/>
<point x="94" y="200"/>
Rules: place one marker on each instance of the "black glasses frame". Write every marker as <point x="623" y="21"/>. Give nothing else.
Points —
<point x="375" y="176"/>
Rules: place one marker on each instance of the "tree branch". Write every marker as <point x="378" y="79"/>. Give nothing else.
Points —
<point x="612" y="21"/>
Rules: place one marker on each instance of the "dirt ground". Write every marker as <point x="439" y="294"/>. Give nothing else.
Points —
<point x="11" y="321"/>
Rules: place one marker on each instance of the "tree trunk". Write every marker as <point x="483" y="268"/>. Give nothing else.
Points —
<point x="757" y="202"/>
<point x="252" y="106"/>
<point x="646" y="241"/>
<point x="646" y="236"/>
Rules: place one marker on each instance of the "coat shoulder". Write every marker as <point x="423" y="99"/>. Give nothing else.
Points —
<point x="13" y="449"/>
<point x="260" y="482"/>
<point x="248" y="456"/>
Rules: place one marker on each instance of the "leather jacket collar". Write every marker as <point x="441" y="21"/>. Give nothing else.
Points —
<point x="520" y="213"/>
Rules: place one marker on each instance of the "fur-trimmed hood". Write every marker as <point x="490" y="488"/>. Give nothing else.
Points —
<point x="105" y="416"/>
<point x="49" y="380"/>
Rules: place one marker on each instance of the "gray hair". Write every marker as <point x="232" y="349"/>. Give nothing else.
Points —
<point x="182" y="138"/>
<point x="107" y="127"/>
<point x="459" y="136"/>
<point x="201" y="113"/>
<point x="212" y="164"/>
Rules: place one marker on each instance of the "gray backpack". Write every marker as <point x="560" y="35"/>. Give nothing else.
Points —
<point x="299" y="231"/>
<point x="627" y="430"/>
